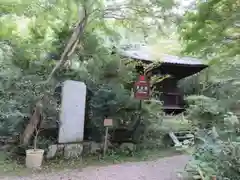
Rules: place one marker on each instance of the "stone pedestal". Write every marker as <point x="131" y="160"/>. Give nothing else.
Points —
<point x="66" y="150"/>
<point x="73" y="151"/>
<point x="52" y="151"/>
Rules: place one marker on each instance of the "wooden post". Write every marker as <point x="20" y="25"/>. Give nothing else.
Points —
<point x="107" y="123"/>
<point x="140" y="108"/>
<point x="105" y="142"/>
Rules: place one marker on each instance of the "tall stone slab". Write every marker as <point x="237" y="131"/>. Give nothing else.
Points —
<point x="72" y="112"/>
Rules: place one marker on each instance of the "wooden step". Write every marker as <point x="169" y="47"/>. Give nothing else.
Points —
<point x="175" y="139"/>
<point x="179" y="140"/>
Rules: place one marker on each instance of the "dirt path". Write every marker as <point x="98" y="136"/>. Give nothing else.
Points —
<point x="162" y="169"/>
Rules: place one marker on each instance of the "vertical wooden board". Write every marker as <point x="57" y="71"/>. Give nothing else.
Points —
<point x="72" y="112"/>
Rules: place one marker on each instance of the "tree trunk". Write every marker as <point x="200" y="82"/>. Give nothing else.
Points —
<point x="33" y="123"/>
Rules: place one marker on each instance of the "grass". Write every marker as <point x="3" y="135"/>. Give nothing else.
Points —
<point x="8" y="168"/>
<point x="176" y="123"/>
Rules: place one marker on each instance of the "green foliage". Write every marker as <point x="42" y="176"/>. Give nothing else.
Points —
<point x="219" y="153"/>
<point x="212" y="30"/>
<point x="111" y="91"/>
<point x="14" y="107"/>
<point x="204" y="112"/>
<point x="33" y="33"/>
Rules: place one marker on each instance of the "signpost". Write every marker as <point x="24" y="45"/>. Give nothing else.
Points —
<point x="141" y="92"/>
<point x="107" y="123"/>
<point x="142" y="88"/>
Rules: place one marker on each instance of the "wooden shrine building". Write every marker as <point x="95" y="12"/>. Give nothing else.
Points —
<point x="176" y="67"/>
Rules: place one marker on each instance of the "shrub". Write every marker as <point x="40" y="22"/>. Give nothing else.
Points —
<point x="204" y="112"/>
<point x="219" y="153"/>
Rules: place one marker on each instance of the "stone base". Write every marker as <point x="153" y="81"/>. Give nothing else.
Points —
<point x="67" y="150"/>
<point x="91" y="147"/>
<point x="73" y="150"/>
<point x="52" y="150"/>
<point x="76" y="150"/>
<point x="128" y="146"/>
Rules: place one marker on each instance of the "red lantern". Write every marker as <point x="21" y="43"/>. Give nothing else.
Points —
<point x="142" y="88"/>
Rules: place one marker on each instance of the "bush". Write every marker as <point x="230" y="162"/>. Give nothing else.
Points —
<point x="219" y="154"/>
<point x="204" y="112"/>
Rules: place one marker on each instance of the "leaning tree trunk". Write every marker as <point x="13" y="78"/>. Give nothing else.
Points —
<point x="65" y="56"/>
<point x="33" y="123"/>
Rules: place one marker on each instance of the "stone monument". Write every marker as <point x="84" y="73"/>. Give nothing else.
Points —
<point x="72" y="116"/>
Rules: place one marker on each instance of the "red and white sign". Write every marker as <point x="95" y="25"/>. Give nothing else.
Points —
<point x="142" y="88"/>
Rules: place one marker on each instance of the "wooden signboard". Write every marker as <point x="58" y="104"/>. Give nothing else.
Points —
<point x="142" y="88"/>
<point x="108" y="122"/>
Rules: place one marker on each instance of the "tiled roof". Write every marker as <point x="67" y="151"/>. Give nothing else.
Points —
<point x="144" y="54"/>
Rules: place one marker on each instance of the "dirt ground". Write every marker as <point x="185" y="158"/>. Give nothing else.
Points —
<point x="161" y="169"/>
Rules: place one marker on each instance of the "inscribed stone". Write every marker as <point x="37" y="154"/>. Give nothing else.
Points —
<point x="72" y="113"/>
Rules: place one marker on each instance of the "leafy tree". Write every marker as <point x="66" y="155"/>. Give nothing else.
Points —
<point x="34" y="35"/>
<point x="211" y="31"/>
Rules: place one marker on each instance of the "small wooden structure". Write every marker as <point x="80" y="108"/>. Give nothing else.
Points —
<point x="177" y="67"/>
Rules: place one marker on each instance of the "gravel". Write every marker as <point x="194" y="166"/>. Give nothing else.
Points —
<point x="161" y="169"/>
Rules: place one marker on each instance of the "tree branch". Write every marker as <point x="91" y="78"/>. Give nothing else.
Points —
<point x="71" y="45"/>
